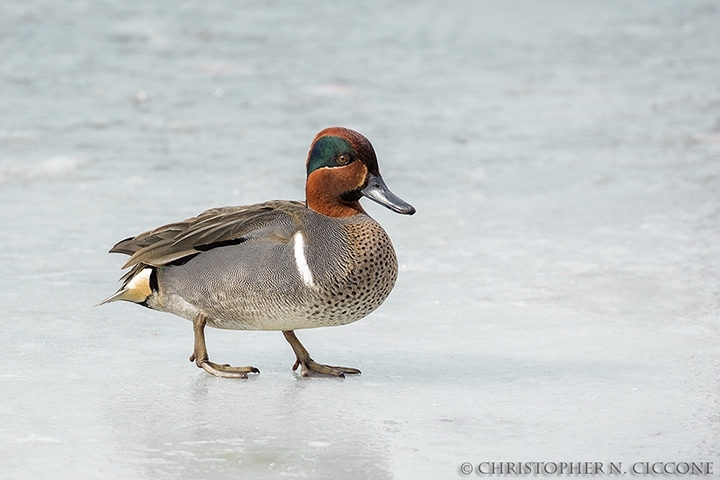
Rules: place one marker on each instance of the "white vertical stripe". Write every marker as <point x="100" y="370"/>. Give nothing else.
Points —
<point x="301" y="261"/>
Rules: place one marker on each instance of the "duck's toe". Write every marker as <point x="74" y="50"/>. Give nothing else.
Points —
<point x="311" y="367"/>
<point x="226" y="371"/>
<point x="200" y="355"/>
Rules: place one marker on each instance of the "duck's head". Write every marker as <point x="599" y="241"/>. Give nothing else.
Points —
<point x="342" y="168"/>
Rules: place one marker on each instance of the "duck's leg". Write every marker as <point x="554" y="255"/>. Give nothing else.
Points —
<point x="200" y="355"/>
<point x="308" y="365"/>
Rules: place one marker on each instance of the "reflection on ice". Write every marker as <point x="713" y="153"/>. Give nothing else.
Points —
<point x="264" y="432"/>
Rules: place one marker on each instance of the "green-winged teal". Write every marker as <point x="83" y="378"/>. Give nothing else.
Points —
<point x="278" y="265"/>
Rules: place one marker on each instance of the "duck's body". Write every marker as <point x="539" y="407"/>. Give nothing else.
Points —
<point x="278" y="265"/>
<point x="299" y="270"/>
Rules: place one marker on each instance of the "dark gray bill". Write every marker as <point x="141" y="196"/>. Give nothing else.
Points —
<point x="378" y="192"/>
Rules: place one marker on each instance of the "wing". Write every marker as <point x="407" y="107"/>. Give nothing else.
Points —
<point x="212" y="228"/>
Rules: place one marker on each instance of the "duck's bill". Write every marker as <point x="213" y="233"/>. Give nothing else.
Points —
<point x="378" y="192"/>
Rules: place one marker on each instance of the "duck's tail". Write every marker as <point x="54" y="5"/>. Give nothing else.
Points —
<point x="137" y="287"/>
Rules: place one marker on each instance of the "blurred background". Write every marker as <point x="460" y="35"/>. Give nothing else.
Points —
<point x="559" y="287"/>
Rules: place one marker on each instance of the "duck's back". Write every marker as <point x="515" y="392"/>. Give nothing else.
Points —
<point x="304" y="272"/>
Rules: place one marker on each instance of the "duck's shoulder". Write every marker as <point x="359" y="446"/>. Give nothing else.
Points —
<point x="344" y="234"/>
<point x="212" y="228"/>
<point x="311" y="220"/>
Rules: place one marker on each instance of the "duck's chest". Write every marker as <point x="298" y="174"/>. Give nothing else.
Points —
<point x="353" y="271"/>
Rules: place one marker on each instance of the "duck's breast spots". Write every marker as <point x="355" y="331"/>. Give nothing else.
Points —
<point x="371" y="271"/>
<point x="374" y="259"/>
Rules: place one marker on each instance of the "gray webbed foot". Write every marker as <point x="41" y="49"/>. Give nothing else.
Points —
<point x="200" y="355"/>
<point x="310" y="366"/>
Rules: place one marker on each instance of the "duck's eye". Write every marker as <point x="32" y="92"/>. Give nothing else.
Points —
<point x="343" y="159"/>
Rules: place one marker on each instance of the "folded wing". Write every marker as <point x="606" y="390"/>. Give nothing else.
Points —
<point x="212" y="228"/>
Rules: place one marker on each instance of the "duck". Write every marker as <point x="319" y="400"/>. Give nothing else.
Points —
<point x="280" y="265"/>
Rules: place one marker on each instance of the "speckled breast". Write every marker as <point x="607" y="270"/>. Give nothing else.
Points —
<point x="366" y="275"/>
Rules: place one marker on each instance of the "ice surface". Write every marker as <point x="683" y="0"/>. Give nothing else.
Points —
<point x="559" y="290"/>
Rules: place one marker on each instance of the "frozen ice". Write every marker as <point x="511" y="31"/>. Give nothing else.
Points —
<point x="559" y="287"/>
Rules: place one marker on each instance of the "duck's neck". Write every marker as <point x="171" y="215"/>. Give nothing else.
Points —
<point x="333" y="206"/>
<point x="327" y="201"/>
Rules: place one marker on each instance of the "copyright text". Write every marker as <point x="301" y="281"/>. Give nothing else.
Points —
<point x="587" y="468"/>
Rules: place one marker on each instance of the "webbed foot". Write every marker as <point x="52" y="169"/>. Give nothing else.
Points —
<point x="310" y="366"/>
<point x="223" y="370"/>
<point x="200" y="355"/>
